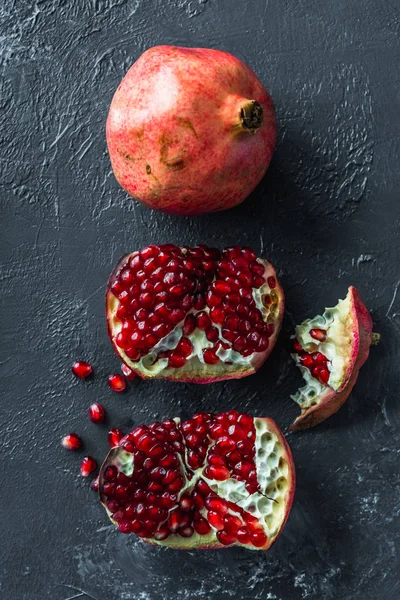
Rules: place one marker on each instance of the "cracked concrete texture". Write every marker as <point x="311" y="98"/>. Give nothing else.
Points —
<point x="326" y="215"/>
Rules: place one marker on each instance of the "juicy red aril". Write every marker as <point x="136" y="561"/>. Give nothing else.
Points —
<point x="318" y="334"/>
<point x="225" y="538"/>
<point x="114" y="436"/>
<point x="176" y="360"/>
<point x="116" y="382"/>
<point x="201" y="526"/>
<point x="209" y="356"/>
<point x="72" y="441"/>
<point x="96" y="413"/>
<point x="243" y="536"/>
<point x="88" y="465"/>
<point x="258" y="538"/>
<point x="216" y="520"/>
<point x="82" y="369"/>
<point x="127" y="372"/>
<point x="95" y="485"/>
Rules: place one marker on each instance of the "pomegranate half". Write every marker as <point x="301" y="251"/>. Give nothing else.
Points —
<point x="208" y="482"/>
<point x="330" y="350"/>
<point x="194" y="314"/>
<point x="190" y="130"/>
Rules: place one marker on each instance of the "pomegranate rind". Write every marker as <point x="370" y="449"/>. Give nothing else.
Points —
<point x="278" y="495"/>
<point x="194" y="371"/>
<point x="357" y="327"/>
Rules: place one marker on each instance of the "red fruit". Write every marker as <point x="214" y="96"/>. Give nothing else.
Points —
<point x="127" y="372"/>
<point x="116" y="382"/>
<point x="115" y="435"/>
<point x="95" y="485"/>
<point x="348" y="326"/>
<point x="184" y="336"/>
<point x="72" y="441"/>
<point x="96" y="412"/>
<point x="206" y="139"/>
<point x="82" y="369"/>
<point x="159" y="492"/>
<point x="88" y="465"/>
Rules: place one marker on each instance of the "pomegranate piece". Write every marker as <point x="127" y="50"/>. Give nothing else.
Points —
<point x="96" y="413"/>
<point x="116" y="382"/>
<point x="228" y="478"/>
<point x="88" y="465"/>
<point x="330" y="350"/>
<point x="72" y="441"/>
<point x="217" y="135"/>
<point x="205" y="317"/>
<point x="82" y="369"/>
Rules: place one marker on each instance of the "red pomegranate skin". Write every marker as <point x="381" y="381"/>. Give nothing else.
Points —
<point x="174" y="130"/>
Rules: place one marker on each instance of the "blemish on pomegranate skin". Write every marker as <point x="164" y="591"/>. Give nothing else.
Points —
<point x="82" y="369"/>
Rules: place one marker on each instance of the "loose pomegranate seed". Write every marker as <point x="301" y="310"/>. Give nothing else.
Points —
<point x="116" y="382"/>
<point x="88" y="465"/>
<point x="82" y="369"/>
<point x="72" y="441"/>
<point x="127" y="372"/>
<point x="96" y="412"/>
<point x="114" y="436"/>
<point x="95" y="485"/>
<point x="318" y="334"/>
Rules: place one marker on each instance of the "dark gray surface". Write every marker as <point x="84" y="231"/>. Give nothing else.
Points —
<point x="327" y="215"/>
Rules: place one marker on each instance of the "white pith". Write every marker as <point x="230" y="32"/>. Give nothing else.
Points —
<point x="269" y="506"/>
<point x="150" y="367"/>
<point x="337" y="322"/>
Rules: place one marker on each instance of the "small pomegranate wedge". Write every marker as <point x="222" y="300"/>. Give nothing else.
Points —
<point x="330" y="350"/>
<point x="194" y="314"/>
<point x="208" y="482"/>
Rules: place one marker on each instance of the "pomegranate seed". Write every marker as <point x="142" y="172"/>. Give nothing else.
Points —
<point x="232" y="524"/>
<point x="176" y="360"/>
<point x="186" y="531"/>
<point x="324" y="376"/>
<point x="217" y="473"/>
<point x="82" y="369"/>
<point x="201" y="526"/>
<point x="217" y="505"/>
<point x="203" y="321"/>
<point x="239" y="344"/>
<point x="271" y="282"/>
<point x="209" y="356"/>
<point x="116" y="382"/>
<point x="111" y="473"/>
<point x="95" y="485"/>
<point x="212" y="334"/>
<point x="258" y="538"/>
<point x="127" y="372"/>
<point x="96" y="412"/>
<point x="162" y="533"/>
<point x="297" y="347"/>
<point x="88" y="465"/>
<point x="225" y="538"/>
<point x="72" y="441"/>
<point x="319" y="359"/>
<point x="216" y="520"/>
<point x="184" y="346"/>
<point x="243" y="536"/>
<point x="189" y="325"/>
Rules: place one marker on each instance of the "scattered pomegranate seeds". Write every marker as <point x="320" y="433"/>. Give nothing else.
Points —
<point x="96" y="412"/>
<point x="127" y="372"/>
<point x="114" y="436"/>
<point x="82" y="369"/>
<point x="72" y="441"/>
<point x="116" y="382"/>
<point x="95" y="485"/>
<point x="88" y="465"/>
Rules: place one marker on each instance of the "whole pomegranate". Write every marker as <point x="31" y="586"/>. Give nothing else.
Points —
<point x="190" y="130"/>
<point x="211" y="481"/>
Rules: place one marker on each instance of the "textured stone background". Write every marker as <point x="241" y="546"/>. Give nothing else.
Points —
<point x="327" y="214"/>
